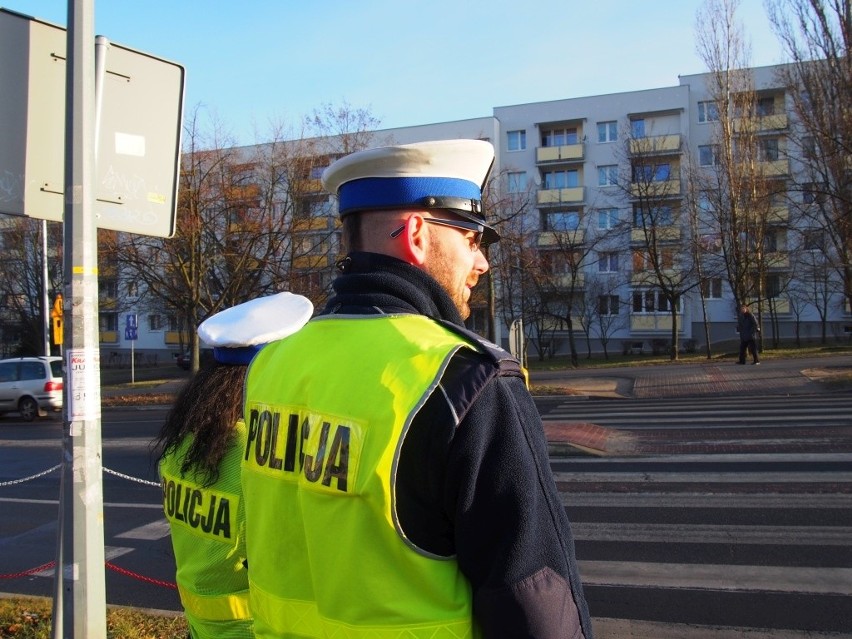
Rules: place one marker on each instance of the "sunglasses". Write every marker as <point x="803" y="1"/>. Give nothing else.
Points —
<point x="462" y="225"/>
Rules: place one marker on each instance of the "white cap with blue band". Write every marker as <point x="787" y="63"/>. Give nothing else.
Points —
<point x="238" y="333"/>
<point x="442" y="174"/>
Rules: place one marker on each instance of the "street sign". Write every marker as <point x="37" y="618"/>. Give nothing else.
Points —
<point x="138" y="130"/>
<point x="131" y="328"/>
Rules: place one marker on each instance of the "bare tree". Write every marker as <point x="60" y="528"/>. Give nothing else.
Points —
<point x="817" y="36"/>
<point x="742" y="181"/>
<point x="21" y="287"/>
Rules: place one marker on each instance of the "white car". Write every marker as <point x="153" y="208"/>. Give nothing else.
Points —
<point x="30" y="386"/>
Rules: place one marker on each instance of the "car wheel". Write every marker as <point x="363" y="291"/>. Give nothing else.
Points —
<point x="28" y="407"/>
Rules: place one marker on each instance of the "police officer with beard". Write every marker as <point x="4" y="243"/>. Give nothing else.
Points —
<point x="396" y="473"/>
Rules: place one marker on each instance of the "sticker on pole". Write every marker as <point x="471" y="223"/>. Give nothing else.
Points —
<point x="84" y="388"/>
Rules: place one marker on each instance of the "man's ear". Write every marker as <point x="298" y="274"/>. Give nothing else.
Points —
<point x="415" y="240"/>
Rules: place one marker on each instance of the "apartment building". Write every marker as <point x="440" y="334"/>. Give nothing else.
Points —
<point x="618" y="225"/>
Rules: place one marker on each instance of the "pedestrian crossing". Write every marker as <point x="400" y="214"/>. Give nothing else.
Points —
<point x="708" y="541"/>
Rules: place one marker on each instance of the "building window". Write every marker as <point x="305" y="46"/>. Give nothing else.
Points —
<point x="607" y="131"/>
<point x="653" y="216"/>
<point x="813" y="193"/>
<point x="155" y="322"/>
<point x="765" y="106"/>
<point x="711" y="288"/>
<point x="132" y="289"/>
<point x="708" y="111"/>
<point x="561" y="179"/>
<point x="646" y="173"/>
<point x="813" y="240"/>
<point x="172" y="321"/>
<point x="607" y="219"/>
<point x="108" y="288"/>
<point x="708" y="154"/>
<point x="559" y="137"/>
<point x="608" y="304"/>
<point x="516" y="182"/>
<point x="608" y="175"/>
<point x="107" y="322"/>
<point x="608" y="262"/>
<point x="560" y="262"/>
<point x="637" y="128"/>
<point x="517" y="140"/>
<point x="774" y="285"/>
<point x="652" y="301"/>
<point x="643" y="262"/>
<point x="768" y="151"/>
<point x="562" y="221"/>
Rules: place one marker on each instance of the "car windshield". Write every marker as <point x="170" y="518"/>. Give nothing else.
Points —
<point x="56" y="368"/>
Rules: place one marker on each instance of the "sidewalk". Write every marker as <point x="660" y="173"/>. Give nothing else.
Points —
<point x="779" y="377"/>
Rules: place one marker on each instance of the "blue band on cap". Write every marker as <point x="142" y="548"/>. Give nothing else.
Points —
<point x="239" y="355"/>
<point x="384" y="193"/>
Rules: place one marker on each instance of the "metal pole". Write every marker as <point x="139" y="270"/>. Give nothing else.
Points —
<point x="80" y="556"/>
<point x="45" y="298"/>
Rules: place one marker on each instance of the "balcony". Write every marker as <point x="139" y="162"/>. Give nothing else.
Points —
<point x="312" y="262"/>
<point x="108" y="337"/>
<point x="310" y="224"/>
<point x="667" y="188"/>
<point x="550" y="325"/>
<point x="778" y="215"/>
<point x="664" y="234"/>
<point x="774" y="168"/>
<point x="561" y="238"/>
<point x="175" y="338"/>
<point x="649" y="278"/>
<point x="774" y="122"/>
<point x="781" y="305"/>
<point x="574" y="195"/>
<point x="778" y="259"/>
<point x="564" y="281"/>
<point x="652" y="323"/>
<point x="656" y="145"/>
<point x="563" y="153"/>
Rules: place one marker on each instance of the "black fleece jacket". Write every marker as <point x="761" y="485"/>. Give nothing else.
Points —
<point x="474" y="479"/>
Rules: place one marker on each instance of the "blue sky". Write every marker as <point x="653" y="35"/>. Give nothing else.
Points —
<point x="409" y="62"/>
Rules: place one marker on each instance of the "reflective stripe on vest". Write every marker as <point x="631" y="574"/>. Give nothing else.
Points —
<point x="325" y="551"/>
<point x="217" y="607"/>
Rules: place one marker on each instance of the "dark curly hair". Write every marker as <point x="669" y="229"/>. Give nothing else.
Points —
<point x="207" y="409"/>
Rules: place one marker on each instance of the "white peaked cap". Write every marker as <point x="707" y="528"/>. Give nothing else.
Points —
<point x="441" y="174"/>
<point x="257" y="322"/>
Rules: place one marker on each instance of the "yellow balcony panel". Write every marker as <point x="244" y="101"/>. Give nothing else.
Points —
<point x="772" y="122"/>
<point x="781" y="305"/>
<point x="778" y="215"/>
<point x="665" y="188"/>
<point x="175" y="338"/>
<point x="649" y="278"/>
<point x="664" y="234"/>
<point x="310" y="224"/>
<point x="108" y="337"/>
<point x="561" y="196"/>
<point x="656" y="144"/>
<point x="311" y="262"/>
<point x="777" y="260"/>
<point x="563" y="153"/>
<point x="774" y="168"/>
<point x="561" y="238"/>
<point x="242" y="192"/>
<point x="564" y="281"/>
<point x="651" y="322"/>
<point x="549" y="325"/>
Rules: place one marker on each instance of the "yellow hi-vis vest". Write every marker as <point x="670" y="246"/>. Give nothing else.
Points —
<point x="208" y="537"/>
<point x="326" y="411"/>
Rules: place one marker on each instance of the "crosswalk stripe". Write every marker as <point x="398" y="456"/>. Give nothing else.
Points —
<point x="637" y="628"/>
<point x="719" y="478"/>
<point x="718" y="577"/>
<point x="713" y="533"/>
<point x="704" y="500"/>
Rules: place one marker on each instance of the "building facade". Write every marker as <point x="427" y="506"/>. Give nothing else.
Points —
<point x="618" y="222"/>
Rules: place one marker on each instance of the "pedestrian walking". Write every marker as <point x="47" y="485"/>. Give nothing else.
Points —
<point x="749" y="329"/>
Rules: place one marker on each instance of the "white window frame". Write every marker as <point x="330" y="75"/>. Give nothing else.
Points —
<point x="608" y="175"/>
<point x="608" y="262"/>
<point x="607" y="131"/>
<point x="607" y="219"/>
<point x="708" y="111"/>
<point x="516" y="140"/>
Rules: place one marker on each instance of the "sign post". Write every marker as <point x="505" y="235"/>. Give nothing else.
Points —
<point x="131" y="334"/>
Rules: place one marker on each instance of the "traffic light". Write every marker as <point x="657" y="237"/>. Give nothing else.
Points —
<point x="56" y="314"/>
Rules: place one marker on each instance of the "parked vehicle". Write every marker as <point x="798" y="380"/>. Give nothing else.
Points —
<point x="30" y="386"/>
<point x="184" y="359"/>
